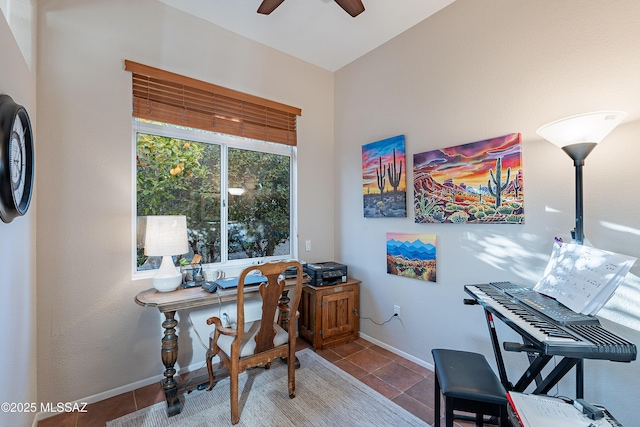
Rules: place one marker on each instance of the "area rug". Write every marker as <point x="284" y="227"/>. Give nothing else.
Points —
<point x="325" y="396"/>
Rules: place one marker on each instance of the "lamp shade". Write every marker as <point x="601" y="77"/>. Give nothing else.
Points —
<point x="166" y="235"/>
<point x="582" y="128"/>
<point x="577" y="136"/>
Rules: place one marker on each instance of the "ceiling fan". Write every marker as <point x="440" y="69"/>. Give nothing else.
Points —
<point x="352" y="7"/>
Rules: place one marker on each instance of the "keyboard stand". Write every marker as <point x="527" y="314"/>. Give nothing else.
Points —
<point x="537" y="362"/>
<point x="547" y="330"/>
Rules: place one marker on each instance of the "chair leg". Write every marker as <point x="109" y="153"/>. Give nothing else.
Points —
<point x="291" y="366"/>
<point x="235" y="416"/>
<point x="212" y="378"/>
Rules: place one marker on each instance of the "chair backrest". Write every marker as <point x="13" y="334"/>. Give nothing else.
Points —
<point x="271" y="292"/>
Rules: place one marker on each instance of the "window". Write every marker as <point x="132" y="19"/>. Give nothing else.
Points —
<point x="237" y="194"/>
<point x="223" y="158"/>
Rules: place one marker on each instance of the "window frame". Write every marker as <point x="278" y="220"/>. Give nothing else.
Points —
<point x="231" y="267"/>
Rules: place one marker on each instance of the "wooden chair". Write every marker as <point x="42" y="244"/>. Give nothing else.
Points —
<point x="262" y="341"/>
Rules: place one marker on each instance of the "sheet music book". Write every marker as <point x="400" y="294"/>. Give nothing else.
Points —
<point x="581" y="277"/>
<point x="533" y="410"/>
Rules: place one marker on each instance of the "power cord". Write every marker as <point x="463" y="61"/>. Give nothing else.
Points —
<point x="203" y="345"/>
<point x="227" y="320"/>
<point x="355" y="311"/>
<point x="206" y="347"/>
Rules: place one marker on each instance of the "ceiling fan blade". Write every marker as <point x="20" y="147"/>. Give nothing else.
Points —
<point x="352" y="7"/>
<point x="268" y="6"/>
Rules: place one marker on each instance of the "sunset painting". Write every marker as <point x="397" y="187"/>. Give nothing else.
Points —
<point x="476" y="183"/>
<point x="412" y="255"/>
<point x="384" y="178"/>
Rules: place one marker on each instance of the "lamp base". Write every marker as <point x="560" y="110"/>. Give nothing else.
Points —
<point x="168" y="278"/>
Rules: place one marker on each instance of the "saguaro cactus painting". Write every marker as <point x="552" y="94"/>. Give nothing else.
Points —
<point x="479" y="183"/>
<point x="384" y="182"/>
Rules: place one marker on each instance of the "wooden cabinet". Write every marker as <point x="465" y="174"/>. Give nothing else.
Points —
<point x="328" y="314"/>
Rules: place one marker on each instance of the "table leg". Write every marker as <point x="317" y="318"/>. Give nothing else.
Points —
<point x="285" y="315"/>
<point x="169" y="355"/>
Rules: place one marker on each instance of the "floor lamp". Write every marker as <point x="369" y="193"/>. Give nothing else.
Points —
<point x="577" y="136"/>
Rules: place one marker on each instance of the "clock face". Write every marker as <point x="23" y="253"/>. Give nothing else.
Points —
<point x="16" y="160"/>
<point x="17" y="157"/>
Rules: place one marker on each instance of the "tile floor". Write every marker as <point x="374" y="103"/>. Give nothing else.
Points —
<point x="404" y="382"/>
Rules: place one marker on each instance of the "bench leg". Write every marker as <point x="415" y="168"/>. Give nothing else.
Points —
<point x="448" y="411"/>
<point x="436" y="403"/>
<point x="504" y="417"/>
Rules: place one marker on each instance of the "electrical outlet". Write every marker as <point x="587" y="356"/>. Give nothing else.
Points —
<point x="307" y="245"/>
<point x="396" y="310"/>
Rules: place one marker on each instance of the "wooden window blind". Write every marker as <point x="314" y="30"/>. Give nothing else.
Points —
<point x="171" y="98"/>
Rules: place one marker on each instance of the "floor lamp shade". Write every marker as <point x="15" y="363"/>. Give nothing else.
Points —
<point x="577" y="136"/>
<point x="582" y="128"/>
<point x="166" y="236"/>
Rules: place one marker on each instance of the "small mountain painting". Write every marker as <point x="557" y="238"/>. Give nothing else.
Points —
<point x="412" y="255"/>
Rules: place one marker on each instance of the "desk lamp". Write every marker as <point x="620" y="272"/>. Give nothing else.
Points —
<point x="166" y="236"/>
<point x="577" y="136"/>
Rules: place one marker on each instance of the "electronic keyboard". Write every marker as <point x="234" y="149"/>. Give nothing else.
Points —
<point x="550" y="326"/>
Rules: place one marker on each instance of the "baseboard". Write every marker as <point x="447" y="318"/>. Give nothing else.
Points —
<point x="394" y="350"/>
<point x="119" y="390"/>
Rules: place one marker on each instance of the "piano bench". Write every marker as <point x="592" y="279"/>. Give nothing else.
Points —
<point x="468" y="384"/>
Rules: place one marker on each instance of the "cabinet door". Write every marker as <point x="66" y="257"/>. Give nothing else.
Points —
<point x="337" y="314"/>
<point x="307" y="319"/>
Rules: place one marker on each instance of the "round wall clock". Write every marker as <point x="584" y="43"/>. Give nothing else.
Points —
<point x="16" y="159"/>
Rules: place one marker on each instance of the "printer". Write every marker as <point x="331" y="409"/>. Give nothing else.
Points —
<point x="326" y="273"/>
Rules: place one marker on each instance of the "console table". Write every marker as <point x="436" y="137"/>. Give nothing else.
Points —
<point x="182" y="299"/>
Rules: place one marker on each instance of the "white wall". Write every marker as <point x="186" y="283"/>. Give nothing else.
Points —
<point x="92" y="337"/>
<point x="17" y="249"/>
<point x="473" y="71"/>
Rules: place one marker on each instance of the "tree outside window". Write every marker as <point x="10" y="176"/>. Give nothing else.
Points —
<point x="240" y="212"/>
<point x="259" y="220"/>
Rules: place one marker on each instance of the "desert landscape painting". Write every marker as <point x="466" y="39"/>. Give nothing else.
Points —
<point x="384" y="178"/>
<point x="412" y="255"/>
<point x="475" y="183"/>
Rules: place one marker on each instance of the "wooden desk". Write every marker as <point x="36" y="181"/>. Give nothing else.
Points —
<point x="182" y="299"/>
